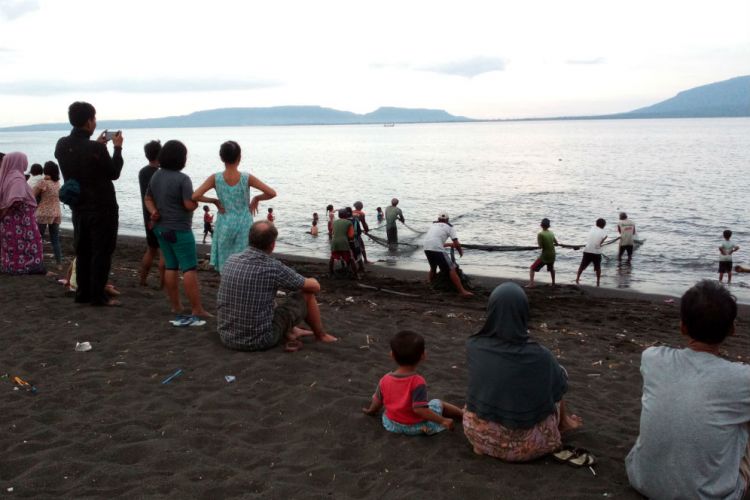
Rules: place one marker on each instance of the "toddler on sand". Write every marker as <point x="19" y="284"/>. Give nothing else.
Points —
<point x="403" y="393"/>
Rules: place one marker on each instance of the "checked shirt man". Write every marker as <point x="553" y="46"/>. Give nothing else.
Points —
<point x="247" y="319"/>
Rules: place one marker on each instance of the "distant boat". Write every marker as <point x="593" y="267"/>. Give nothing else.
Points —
<point x="389" y="124"/>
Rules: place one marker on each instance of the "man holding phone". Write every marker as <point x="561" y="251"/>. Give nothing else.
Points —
<point x="95" y="212"/>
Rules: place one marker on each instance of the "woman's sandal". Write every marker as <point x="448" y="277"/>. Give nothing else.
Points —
<point x="565" y="454"/>
<point x="292" y="345"/>
<point x="582" y="458"/>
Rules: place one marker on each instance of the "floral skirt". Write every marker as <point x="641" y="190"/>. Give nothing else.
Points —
<point x="20" y="242"/>
<point x="513" y="445"/>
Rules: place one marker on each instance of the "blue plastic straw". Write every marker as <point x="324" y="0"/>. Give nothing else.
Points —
<point x="174" y="375"/>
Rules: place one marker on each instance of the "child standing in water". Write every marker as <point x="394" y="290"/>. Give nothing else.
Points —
<point x="208" y="223"/>
<point x="314" y="228"/>
<point x="270" y="216"/>
<point x="403" y="393"/>
<point x="381" y="215"/>
<point x="329" y="214"/>
<point x="726" y="249"/>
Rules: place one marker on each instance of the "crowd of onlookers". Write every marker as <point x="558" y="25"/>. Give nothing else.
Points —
<point x="694" y="427"/>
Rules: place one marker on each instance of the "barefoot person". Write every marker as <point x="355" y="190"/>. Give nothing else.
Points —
<point x="514" y="408"/>
<point x="151" y="150"/>
<point x="169" y="201"/>
<point x="592" y="252"/>
<point x="403" y="393"/>
<point x="434" y="249"/>
<point x="547" y="242"/>
<point x="695" y="409"/>
<point x="247" y="318"/>
<point x="392" y="214"/>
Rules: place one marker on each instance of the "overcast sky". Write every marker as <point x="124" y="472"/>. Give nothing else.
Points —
<point x="492" y="59"/>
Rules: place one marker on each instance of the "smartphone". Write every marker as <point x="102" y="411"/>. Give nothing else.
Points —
<point x="109" y="134"/>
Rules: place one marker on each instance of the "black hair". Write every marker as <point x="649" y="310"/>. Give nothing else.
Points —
<point x="407" y="348"/>
<point x="36" y="169"/>
<point x="263" y="235"/>
<point x="315" y="222"/>
<point x="708" y="310"/>
<point x="349" y="212"/>
<point x="152" y="149"/>
<point x="80" y="112"/>
<point x="173" y="155"/>
<point x="545" y="223"/>
<point x="378" y="209"/>
<point x="51" y="169"/>
<point x="270" y="210"/>
<point x="230" y="152"/>
<point x="358" y="205"/>
<point x="206" y="208"/>
<point x="329" y="208"/>
<point x="342" y="213"/>
<point x="727" y="233"/>
<point x="600" y="223"/>
<point x="623" y="216"/>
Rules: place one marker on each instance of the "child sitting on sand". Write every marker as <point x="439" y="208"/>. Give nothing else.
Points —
<point x="726" y="249"/>
<point x="695" y="408"/>
<point x="403" y="393"/>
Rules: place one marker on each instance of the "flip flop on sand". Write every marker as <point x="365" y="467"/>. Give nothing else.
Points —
<point x="583" y="458"/>
<point x="565" y="455"/>
<point x="292" y="345"/>
<point x="182" y="321"/>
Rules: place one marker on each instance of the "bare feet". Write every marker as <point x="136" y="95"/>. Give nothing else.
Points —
<point x="326" y="337"/>
<point x="570" y="423"/>
<point x="113" y="303"/>
<point x="202" y="313"/>
<point x="298" y="332"/>
<point x="529" y="285"/>
<point x="466" y="293"/>
<point x="477" y="451"/>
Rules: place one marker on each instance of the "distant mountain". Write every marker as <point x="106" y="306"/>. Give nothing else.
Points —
<point x="726" y="98"/>
<point x="278" y="115"/>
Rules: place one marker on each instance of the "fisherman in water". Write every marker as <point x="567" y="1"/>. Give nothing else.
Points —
<point x="392" y="214"/>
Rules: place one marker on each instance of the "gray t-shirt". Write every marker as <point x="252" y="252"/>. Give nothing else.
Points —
<point x="694" y="425"/>
<point x="169" y="188"/>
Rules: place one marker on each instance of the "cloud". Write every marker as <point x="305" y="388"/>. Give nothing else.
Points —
<point x="596" y="60"/>
<point x="150" y="86"/>
<point x="469" y="67"/>
<point x="13" y="9"/>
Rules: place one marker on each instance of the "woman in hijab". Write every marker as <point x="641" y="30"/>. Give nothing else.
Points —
<point x="20" y="242"/>
<point x="514" y="408"/>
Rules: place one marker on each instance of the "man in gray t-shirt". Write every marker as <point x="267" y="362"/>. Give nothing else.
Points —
<point x="170" y="189"/>
<point x="693" y="440"/>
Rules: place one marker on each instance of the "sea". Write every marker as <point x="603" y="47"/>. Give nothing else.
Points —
<point x="682" y="181"/>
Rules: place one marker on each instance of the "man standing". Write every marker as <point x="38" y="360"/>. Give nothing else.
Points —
<point x="626" y="228"/>
<point x="151" y="150"/>
<point x="592" y="252"/>
<point x="95" y="212"/>
<point x="434" y="250"/>
<point x="247" y="318"/>
<point x="393" y="213"/>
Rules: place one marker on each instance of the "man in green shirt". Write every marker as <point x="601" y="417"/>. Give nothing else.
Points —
<point x="343" y="233"/>
<point x="547" y="242"/>
<point x="392" y="214"/>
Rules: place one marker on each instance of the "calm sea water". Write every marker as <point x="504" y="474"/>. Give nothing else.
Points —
<point x="681" y="181"/>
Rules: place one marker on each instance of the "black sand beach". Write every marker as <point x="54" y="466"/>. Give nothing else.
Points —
<point x="102" y="424"/>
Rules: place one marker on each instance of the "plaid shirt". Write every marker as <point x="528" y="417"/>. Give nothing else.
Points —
<point x="249" y="282"/>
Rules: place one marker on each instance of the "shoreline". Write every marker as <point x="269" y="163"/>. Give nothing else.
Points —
<point x="102" y="423"/>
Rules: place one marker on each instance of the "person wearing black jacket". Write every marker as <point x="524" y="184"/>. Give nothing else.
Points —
<point x="95" y="212"/>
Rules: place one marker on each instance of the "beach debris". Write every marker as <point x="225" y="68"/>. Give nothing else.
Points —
<point x="364" y="347"/>
<point x="385" y="290"/>
<point x="369" y="340"/>
<point x="22" y="384"/>
<point x="172" y="377"/>
<point x="83" y="346"/>
<point x="594" y="375"/>
<point x="313" y="384"/>
<point x="429" y="313"/>
<point x="450" y="315"/>
<point x="669" y="301"/>
<point x="592" y="471"/>
<point x="10" y="490"/>
<point x="543" y="326"/>
<point x="596" y="363"/>
<point x="349" y="300"/>
<point x="230" y="378"/>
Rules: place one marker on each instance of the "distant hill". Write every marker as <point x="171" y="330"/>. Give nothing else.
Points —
<point x="278" y="115"/>
<point x="726" y="98"/>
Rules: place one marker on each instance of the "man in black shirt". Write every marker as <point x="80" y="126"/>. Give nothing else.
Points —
<point x="95" y="214"/>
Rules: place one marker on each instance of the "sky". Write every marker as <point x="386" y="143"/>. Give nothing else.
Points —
<point x="480" y="59"/>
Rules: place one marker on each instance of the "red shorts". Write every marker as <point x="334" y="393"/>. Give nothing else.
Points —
<point x="345" y="255"/>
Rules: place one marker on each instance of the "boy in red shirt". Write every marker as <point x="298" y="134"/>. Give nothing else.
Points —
<point x="403" y="393"/>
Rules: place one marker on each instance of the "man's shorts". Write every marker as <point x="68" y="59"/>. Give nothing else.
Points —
<point x="345" y="255"/>
<point x="725" y="266"/>
<point x="538" y="265"/>
<point x="392" y="235"/>
<point x="289" y="313"/>
<point x="588" y="258"/>
<point x="626" y="248"/>
<point x="151" y="239"/>
<point x="439" y="259"/>
<point x="178" y="249"/>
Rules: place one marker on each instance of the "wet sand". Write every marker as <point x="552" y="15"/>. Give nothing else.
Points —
<point x="102" y="423"/>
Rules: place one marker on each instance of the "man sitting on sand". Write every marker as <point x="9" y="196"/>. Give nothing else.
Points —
<point x="247" y="319"/>
<point x="693" y="440"/>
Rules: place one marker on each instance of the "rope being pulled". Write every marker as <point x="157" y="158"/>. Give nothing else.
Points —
<point x="497" y="248"/>
<point x="384" y="242"/>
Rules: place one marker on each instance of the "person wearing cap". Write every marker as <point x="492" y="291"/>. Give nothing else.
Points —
<point x="547" y="242"/>
<point x="392" y="214"/>
<point x="437" y="256"/>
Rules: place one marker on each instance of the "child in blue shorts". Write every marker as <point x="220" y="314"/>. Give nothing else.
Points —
<point x="403" y="393"/>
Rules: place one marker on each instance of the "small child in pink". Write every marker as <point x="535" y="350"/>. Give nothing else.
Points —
<point x="403" y="393"/>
